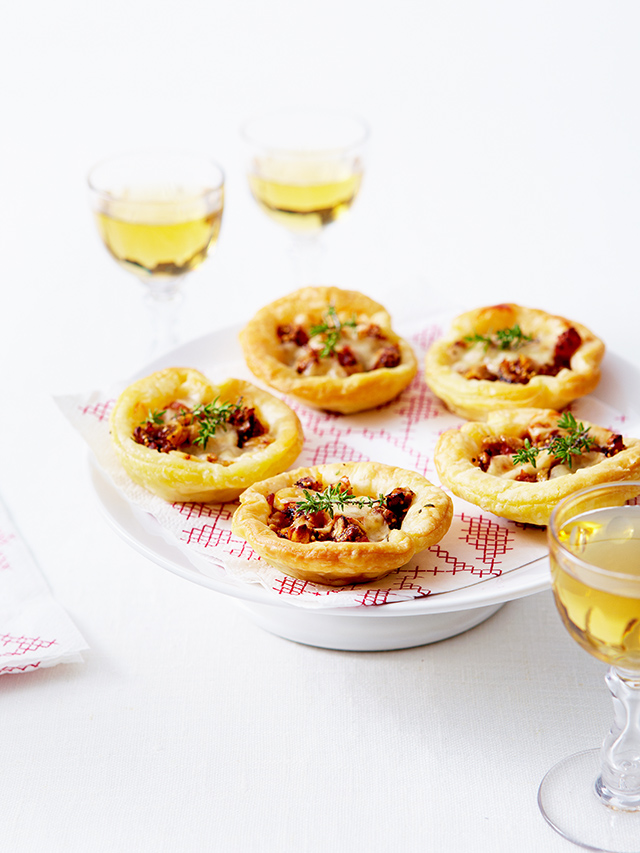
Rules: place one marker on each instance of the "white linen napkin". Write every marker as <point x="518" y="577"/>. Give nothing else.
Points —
<point x="35" y="631"/>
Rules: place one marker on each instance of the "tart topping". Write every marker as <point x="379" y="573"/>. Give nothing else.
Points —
<point x="548" y="449"/>
<point x="215" y="432"/>
<point x="310" y="511"/>
<point x="510" y="355"/>
<point x="337" y="346"/>
<point x="511" y="338"/>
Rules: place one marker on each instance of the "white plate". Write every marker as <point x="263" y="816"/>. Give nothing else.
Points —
<point x="365" y="628"/>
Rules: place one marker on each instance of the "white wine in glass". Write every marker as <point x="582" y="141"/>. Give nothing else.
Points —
<point x="159" y="216"/>
<point x="593" y="798"/>
<point x="305" y="169"/>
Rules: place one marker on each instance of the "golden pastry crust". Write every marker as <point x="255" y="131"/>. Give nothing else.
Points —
<point x="337" y="389"/>
<point x="570" y="365"/>
<point x="187" y="475"/>
<point x="460" y="461"/>
<point x="340" y="563"/>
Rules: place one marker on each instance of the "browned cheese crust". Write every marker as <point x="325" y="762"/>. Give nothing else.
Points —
<point x="370" y="365"/>
<point x="338" y="563"/>
<point x="475" y="370"/>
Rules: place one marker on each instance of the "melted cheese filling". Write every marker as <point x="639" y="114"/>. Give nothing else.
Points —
<point x="371" y="521"/>
<point x="468" y="355"/>
<point x="364" y="347"/>
<point x="547" y="466"/>
<point x="222" y="447"/>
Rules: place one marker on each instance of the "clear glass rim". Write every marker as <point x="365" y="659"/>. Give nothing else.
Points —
<point x="552" y="529"/>
<point x="212" y="187"/>
<point x="357" y="141"/>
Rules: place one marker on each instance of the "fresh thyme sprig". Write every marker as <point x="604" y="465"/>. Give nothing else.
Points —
<point x="334" y="498"/>
<point x="332" y="328"/>
<point x="154" y="416"/>
<point x="562" y="447"/>
<point x="504" y="339"/>
<point x="528" y="453"/>
<point x="210" y="416"/>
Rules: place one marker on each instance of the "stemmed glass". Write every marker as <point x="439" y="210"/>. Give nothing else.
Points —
<point x="593" y="798"/>
<point x="159" y="215"/>
<point x="305" y="169"/>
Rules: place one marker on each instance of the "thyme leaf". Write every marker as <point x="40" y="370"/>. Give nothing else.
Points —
<point x="154" y="416"/>
<point x="528" y="453"/>
<point x="511" y="338"/>
<point x="334" y="498"/>
<point x="565" y="447"/>
<point x="210" y="416"/>
<point x="561" y="447"/>
<point x="332" y="328"/>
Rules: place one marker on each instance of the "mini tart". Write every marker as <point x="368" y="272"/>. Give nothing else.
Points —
<point x="280" y="350"/>
<point x="559" y="363"/>
<point x="221" y="470"/>
<point x="426" y="521"/>
<point x="475" y="462"/>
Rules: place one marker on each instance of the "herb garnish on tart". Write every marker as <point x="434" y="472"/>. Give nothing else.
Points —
<point x="511" y="356"/>
<point x="521" y="462"/>
<point x="330" y="348"/>
<point x="183" y="438"/>
<point x="342" y="523"/>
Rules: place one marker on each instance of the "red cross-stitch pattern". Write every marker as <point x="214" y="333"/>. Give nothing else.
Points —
<point x="419" y="403"/>
<point x="10" y="645"/>
<point x="490" y="539"/>
<point x="5" y="538"/>
<point x="240" y="548"/>
<point x="210" y="536"/>
<point x="455" y="564"/>
<point x="217" y="512"/>
<point x="415" y="405"/>
<point x="375" y="596"/>
<point x="292" y="586"/>
<point x="335" y="449"/>
<point x="100" y="410"/>
<point x="422" y="340"/>
<point x="406" y="583"/>
<point x="20" y="668"/>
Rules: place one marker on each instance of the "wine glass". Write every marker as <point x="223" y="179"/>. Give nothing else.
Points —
<point x="305" y="170"/>
<point x="159" y="216"/>
<point x="593" y="798"/>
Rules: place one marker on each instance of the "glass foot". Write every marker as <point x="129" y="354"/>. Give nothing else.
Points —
<point x="569" y="803"/>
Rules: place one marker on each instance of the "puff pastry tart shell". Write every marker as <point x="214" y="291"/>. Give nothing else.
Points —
<point x="337" y="563"/>
<point x="474" y="369"/>
<point x="523" y="492"/>
<point x="186" y="474"/>
<point x="326" y="383"/>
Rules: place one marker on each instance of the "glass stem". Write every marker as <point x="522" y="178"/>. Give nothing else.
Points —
<point x="619" y="782"/>
<point x="307" y="251"/>
<point x="164" y="305"/>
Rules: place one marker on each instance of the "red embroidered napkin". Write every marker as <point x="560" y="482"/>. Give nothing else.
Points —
<point x="35" y="632"/>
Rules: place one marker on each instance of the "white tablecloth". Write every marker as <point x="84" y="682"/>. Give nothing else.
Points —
<point x="503" y="166"/>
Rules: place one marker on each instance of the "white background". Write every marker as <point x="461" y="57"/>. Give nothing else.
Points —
<point x="503" y="165"/>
